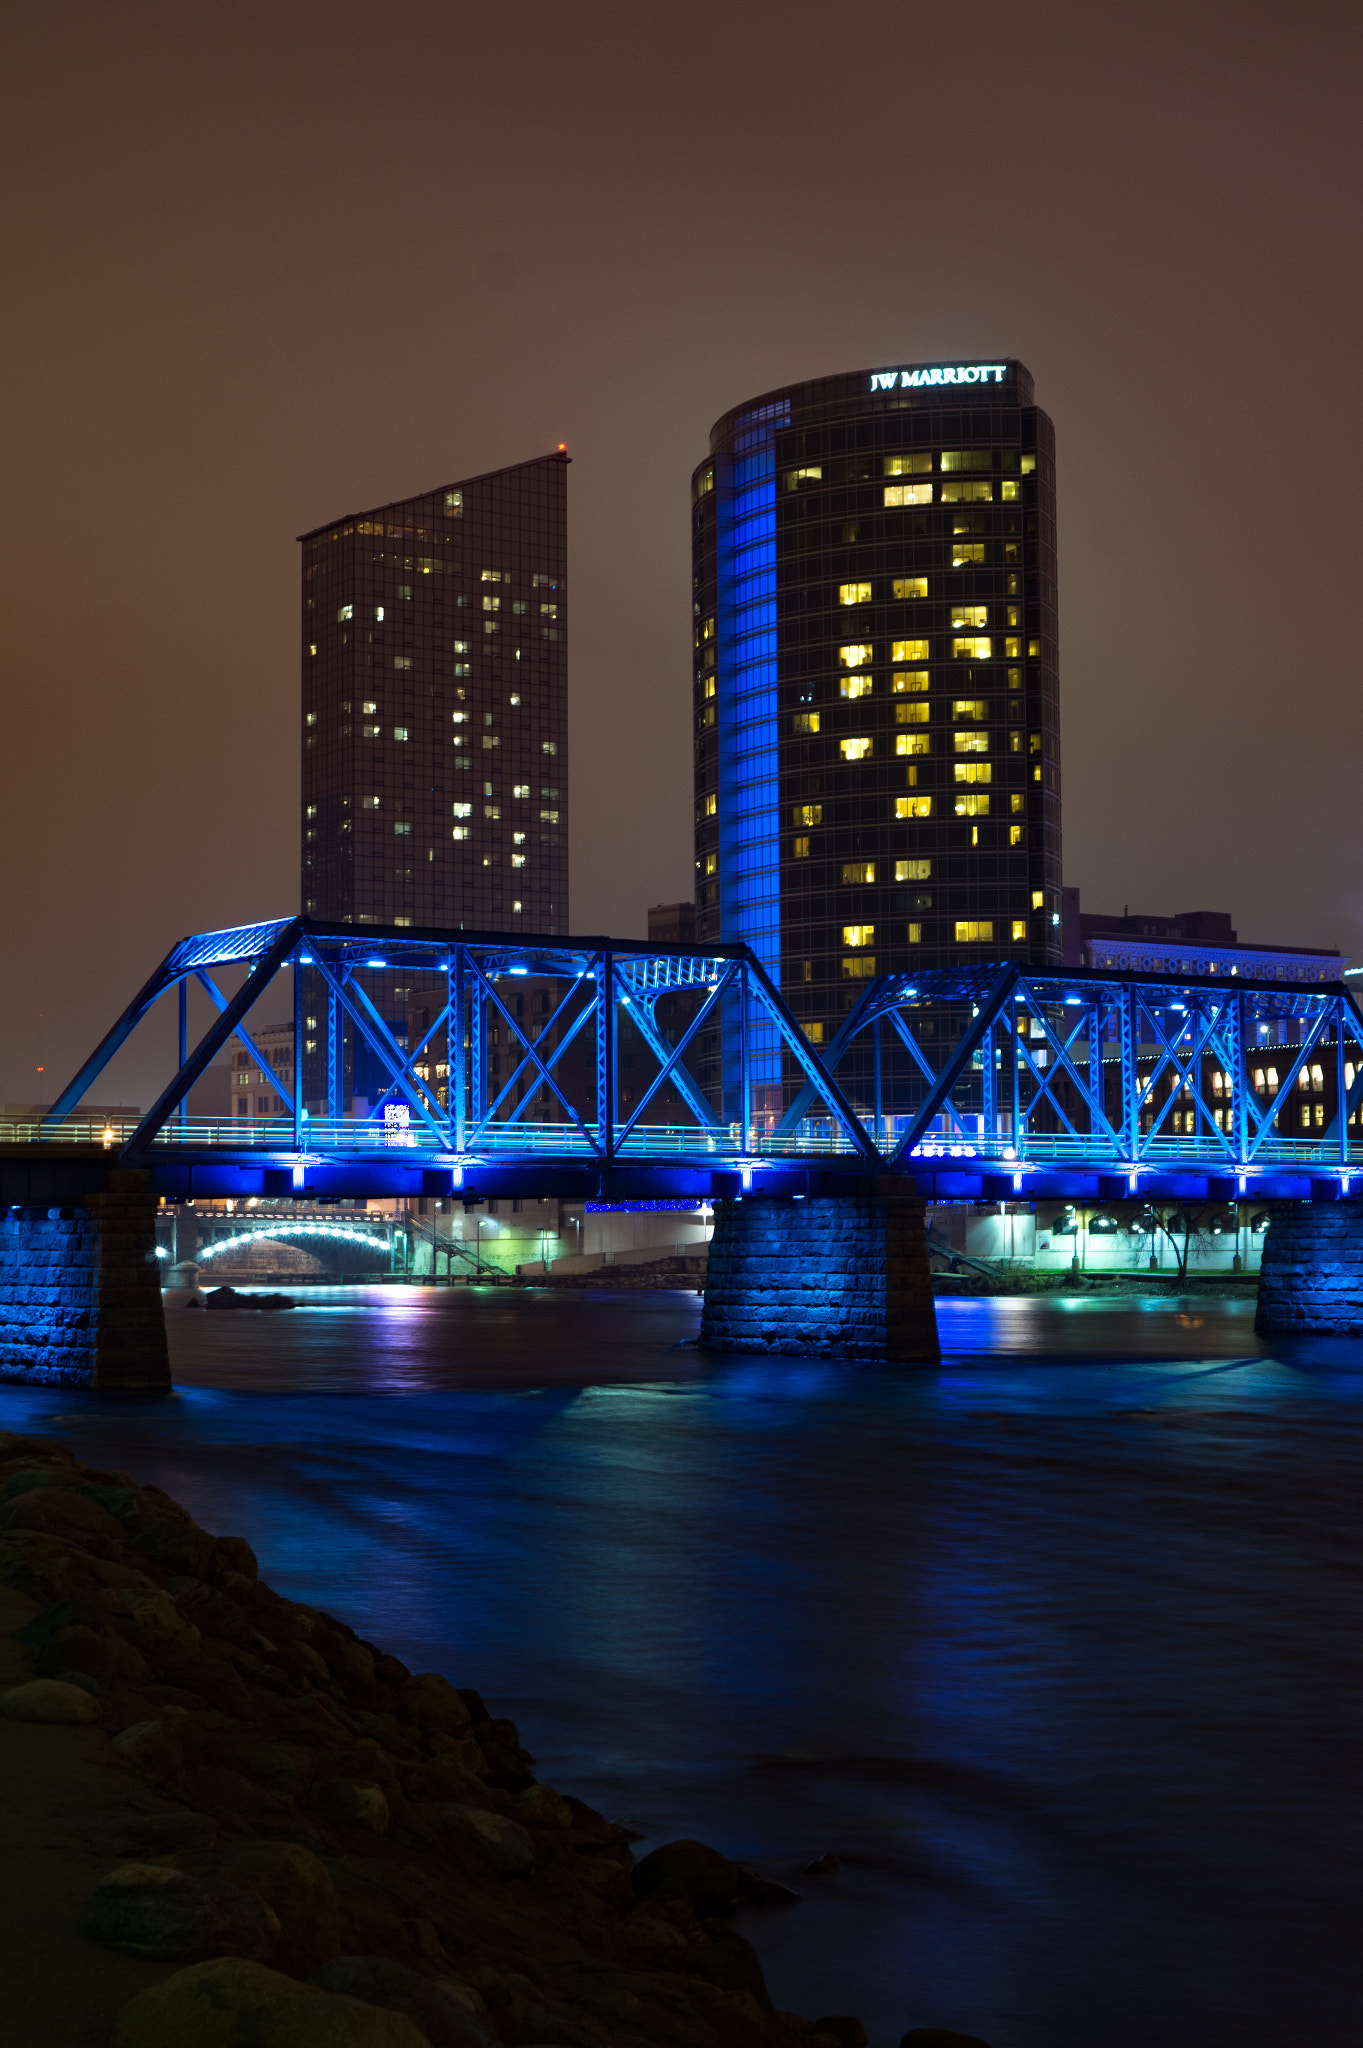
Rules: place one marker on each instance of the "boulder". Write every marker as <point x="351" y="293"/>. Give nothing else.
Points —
<point x="347" y="1803"/>
<point x="732" y="1963"/>
<point x="690" y="1870"/>
<point x="230" y="2003"/>
<point x="843" y="2028"/>
<point x="294" y="1884"/>
<point x="432" y="1702"/>
<point x="54" y="1511"/>
<point x="154" y="1837"/>
<point x="493" y="1838"/>
<point x="449" y="2015"/>
<point x="96" y="1651"/>
<point x="50" y="1699"/>
<point x="450" y="1779"/>
<point x="541" y="1807"/>
<point x="153" y="1748"/>
<point x="153" y="1910"/>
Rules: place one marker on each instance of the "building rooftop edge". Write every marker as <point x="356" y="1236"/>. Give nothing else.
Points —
<point x="459" y="483"/>
<point x="949" y="393"/>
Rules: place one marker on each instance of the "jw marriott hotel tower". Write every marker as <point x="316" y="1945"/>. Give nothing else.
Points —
<point x="876" y="679"/>
<point x="435" y="740"/>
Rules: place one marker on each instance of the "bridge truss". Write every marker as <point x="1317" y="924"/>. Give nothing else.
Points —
<point x="576" y="1066"/>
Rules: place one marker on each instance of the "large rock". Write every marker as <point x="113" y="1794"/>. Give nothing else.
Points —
<point x="153" y="1748"/>
<point x="690" y="1870"/>
<point x="731" y="1962"/>
<point x="293" y="1883"/>
<point x="348" y="1803"/>
<point x="490" y="1837"/>
<point x="229" y="2003"/>
<point x="98" y="1652"/>
<point x="54" y="1511"/>
<point x="153" y="1910"/>
<point x="50" y="1699"/>
<point x="432" y="1702"/>
<point x="449" y="2015"/>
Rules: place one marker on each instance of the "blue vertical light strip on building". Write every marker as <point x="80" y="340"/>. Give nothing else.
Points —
<point x="750" y="889"/>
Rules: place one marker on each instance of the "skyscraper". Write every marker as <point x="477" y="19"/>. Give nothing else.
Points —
<point x="435" y="741"/>
<point x="876" y="680"/>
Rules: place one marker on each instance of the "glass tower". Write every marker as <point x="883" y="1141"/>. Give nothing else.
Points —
<point x="876" y="683"/>
<point x="435" y="741"/>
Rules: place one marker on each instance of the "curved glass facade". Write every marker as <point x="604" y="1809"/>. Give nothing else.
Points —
<point x="876" y="682"/>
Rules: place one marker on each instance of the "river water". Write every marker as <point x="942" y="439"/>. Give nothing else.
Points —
<point x="1057" y="1647"/>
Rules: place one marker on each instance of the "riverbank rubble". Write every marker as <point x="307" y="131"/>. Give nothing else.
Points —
<point x="234" y="1824"/>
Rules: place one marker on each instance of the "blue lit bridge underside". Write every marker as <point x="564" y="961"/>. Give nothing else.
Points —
<point x="1009" y="1083"/>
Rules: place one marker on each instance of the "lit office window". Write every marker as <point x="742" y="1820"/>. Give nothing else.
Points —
<point x="907" y="494"/>
<point x="909" y="650"/>
<point x="909" y="681"/>
<point x="964" y="616"/>
<point x="974" y="931"/>
<point x="854" y="686"/>
<point x="913" y="807"/>
<point x="854" y="750"/>
<point x="855" y="656"/>
<point x="913" y="870"/>
<point x="971" y="650"/>
<point x="857" y="871"/>
<point x="917" y="462"/>
<point x="854" y="593"/>
<point x="911" y="586"/>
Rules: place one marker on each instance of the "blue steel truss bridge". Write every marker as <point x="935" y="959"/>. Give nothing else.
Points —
<point x="582" y="1066"/>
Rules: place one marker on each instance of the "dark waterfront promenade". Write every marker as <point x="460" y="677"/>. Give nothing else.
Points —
<point x="1057" y="1647"/>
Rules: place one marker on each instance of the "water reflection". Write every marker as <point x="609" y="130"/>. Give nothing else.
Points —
<point x="1057" y="1647"/>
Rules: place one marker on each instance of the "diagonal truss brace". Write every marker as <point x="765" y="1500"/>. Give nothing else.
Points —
<point x="1088" y="1094"/>
<point x="381" y="1041"/>
<point x="482" y="985"/>
<point x="760" y="984"/>
<point x="219" y="1002"/>
<point x="1000" y="990"/>
<point x="263" y="972"/>
<point x="669" y="1058"/>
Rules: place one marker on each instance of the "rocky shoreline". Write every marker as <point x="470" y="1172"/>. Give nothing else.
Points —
<point x="233" y="1824"/>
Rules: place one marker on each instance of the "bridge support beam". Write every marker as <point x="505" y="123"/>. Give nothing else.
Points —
<point x="80" y="1294"/>
<point x="844" y="1274"/>
<point x="1311" y="1273"/>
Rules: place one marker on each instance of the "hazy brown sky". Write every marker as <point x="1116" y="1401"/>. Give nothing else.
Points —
<point x="262" y="265"/>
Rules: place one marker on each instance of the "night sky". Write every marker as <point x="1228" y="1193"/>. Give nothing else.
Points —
<point x="264" y="265"/>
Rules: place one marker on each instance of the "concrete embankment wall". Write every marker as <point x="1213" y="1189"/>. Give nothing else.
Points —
<point x="844" y="1274"/>
<point x="80" y="1294"/>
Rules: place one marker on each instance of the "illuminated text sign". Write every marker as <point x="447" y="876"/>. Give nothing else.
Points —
<point x="950" y="373"/>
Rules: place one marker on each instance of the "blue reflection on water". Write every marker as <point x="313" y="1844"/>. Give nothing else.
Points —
<point x="1057" y="1646"/>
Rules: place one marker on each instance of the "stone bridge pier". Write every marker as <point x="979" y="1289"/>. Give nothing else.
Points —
<point x="80" y="1293"/>
<point x="1311" y="1271"/>
<point x="844" y="1273"/>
